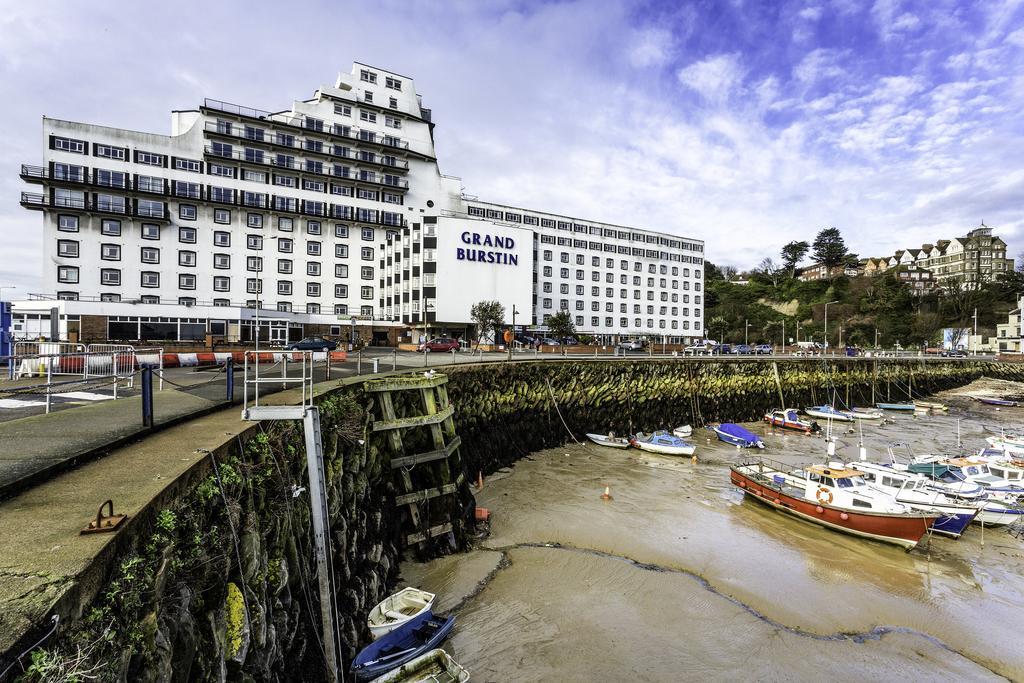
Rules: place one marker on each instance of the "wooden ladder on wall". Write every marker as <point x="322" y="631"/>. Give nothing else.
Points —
<point x="442" y="460"/>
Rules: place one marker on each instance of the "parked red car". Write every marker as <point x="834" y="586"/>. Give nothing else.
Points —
<point x="440" y="344"/>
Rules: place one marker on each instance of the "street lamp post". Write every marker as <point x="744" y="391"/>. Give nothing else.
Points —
<point x="826" y="323"/>
<point x="746" y="332"/>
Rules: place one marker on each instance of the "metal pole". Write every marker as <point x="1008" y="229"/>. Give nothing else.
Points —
<point x="115" y="374"/>
<point x="359" y="362"/>
<point x="229" y="373"/>
<point x="284" y="370"/>
<point x="160" y="352"/>
<point x="394" y="361"/>
<point x="147" y="396"/>
<point x="49" y="378"/>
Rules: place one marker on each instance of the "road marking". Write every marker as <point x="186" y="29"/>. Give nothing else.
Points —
<point x="16" y="403"/>
<point x="86" y="396"/>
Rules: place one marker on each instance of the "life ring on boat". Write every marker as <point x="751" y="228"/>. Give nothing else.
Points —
<point x="824" y="496"/>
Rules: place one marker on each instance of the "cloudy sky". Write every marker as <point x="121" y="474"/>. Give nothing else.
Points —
<point x="745" y="123"/>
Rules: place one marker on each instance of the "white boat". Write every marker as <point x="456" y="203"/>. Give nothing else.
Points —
<point x="930" y="405"/>
<point x="827" y="412"/>
<point x="435" y="666"/>
<point x="1007" y="443"/>
<point x="867" y="414"/>
<point x="395" y="610"/>
<point x="609" y="440"/>
<point x="664" y="443"/>
<point x="684" y="432"/>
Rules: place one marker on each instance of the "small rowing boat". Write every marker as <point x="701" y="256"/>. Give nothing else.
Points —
<point x="395" y="610"/>
<point x="609" y="440"/>
<point x="684" y="432"/>
<point x="436" y="666"/>
<point x="404" y="644"/>
<point x="789" y="418"/>
<point x="992" y="401"/>
<point x="931" y="405"/>
<point x="827" y="412"/>
<point x="663" y="443"/>
<point x="896" y="406"/>
<point x="735" y="435"/>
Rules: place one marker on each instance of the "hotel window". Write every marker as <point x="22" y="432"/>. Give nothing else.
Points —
<point x="68" y="145"/>
<point x="221" y="170"/>
<point x="187" y="258"/>
<point x="312" y="227"/>
<point x="284" y="287"/>
<point x="547" y="254"/>
<point x="187" y="235"/>
<point x="340" y="270"/>
<point x="367" y="234"/>
<point x="254" y="176"/>
<point x="284" y="265"/>
<point x="110" y="297"/>
<point x="313" y="185"/>
<point x="393" y="83"/>
<point x="254" y="220"/>
<point x="340" y="291"/>
<point x="341" y="309"/>
<point x="393" y="102"/>
<point x="366" y="253"/>
<point x="254" y="286"/>
<point x="109" y="152"/>
<point x="340" y="230"/>
<point x="547" y="271"/>
<point x="186" y="212"/>
<point x="342" y="110"/>
<point x="150" y="255"/>
<point x="563" y="273"/>
<point x="222" y="238"/>
<point x="285" y="224"/>
<point x="150" y="279"/>
<point x="219" y="194"/>
<point x="367" y="76"/>
<point x="366" y="272"/>
<point x="149" y="299"/>
<point x="254" y="263"/>
<point x="221" y="302"/>
<point x="313" y="268"/>
<point x="368" y="96"/>
<point x="565" y="257"/>
<point x="110" y="227"/>
<point x="547" y="303"/>
<point x="314" y="166"/>
<point x="341" y="250"/>
<point x="221" y="149"/>
<point x="110" y="277"/>
<point x="221" y="283"/>
<point x="314" y="124"/>
<point x="392" y="122"/>
<point x="67" y="248"/>
<point x="312" y="289"/>
<point x="221" y="216"/>
<point x="563" y="288"/>
<point x="110" y="252"/>
<point x="366" y="292"/>
<point x="191" y="164"/>
<point x="313" y="248"/>
<point x="105" y="178"/>
<point x="222" y="261"/>
<point x="368" y="116"/>
<point x="67" y="223"/>
<point x="253" y="242"/>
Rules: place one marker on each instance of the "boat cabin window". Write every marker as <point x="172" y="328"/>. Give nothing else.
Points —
<point x="811" y="476"/>
<point x="827" y="481"/>
<point x="845" y="482"/>
<point x="858" y="503"/>
<point x="891" y="481"/>
<point x="972" y="470"/>
<point x="869" y="476"/>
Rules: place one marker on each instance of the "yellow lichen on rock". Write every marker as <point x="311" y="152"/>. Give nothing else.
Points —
<point x="234" y="607"/>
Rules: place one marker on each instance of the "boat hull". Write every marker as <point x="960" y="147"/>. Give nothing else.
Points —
<point x="734" y="440"/>
<point x="896" y="406"/>
<point x="401" y="645"/>
<point x="905" y="531"/>
<point x="788" y="424"/>
<point x="602" y="440"/>
<point x="822" y="415"/>
<point x="665" y="450"/>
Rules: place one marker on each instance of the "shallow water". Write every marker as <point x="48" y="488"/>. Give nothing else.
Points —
<point x="680" y="578"/>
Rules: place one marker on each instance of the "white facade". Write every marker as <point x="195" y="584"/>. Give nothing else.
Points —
<point x="336" y="207"/>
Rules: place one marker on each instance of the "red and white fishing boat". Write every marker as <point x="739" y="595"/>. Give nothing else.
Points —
<point x="833" y="497"/>
<point x="789" y="418"/>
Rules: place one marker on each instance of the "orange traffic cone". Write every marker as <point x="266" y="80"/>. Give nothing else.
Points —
<point x="479" y="480"/>
<point x="607" y="495"/>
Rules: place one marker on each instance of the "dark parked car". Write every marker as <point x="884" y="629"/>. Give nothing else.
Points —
<point x="440" y="344"/>
<point x="742" y="349"/>
<point x="312" y="344"/>
<point x="764" y="349"/>
<point x="722" y="349"/>
<point x="954" y="353"/>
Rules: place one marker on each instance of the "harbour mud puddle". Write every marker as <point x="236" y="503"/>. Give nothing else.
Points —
<point x="680" y="578"/>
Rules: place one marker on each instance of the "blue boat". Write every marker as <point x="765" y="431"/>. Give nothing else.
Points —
<point x="988" y="400"/>
<point x="909" y="407"/>
<point x="410" y="640"/>
<point x="735" y="435"/>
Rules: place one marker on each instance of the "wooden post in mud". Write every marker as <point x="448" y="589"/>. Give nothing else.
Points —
<point x="910" y="381"/>
<point x="847" y="373"/>
<point x="874" y="380"/>
<point x="778" y="385"/>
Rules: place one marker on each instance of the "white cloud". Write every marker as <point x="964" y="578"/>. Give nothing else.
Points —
<point x="819" y="64"/>
<point x="714" y="78"/>
<point x="651" y="47"/>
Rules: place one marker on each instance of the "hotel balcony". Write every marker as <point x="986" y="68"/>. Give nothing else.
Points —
<point x="42" y="202"/>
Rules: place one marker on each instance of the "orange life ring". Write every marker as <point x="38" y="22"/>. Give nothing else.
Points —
<point x="824" y="496"/>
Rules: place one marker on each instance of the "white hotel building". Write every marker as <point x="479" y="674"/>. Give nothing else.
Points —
<point x="332" y="218"/>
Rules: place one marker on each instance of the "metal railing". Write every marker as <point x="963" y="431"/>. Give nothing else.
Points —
<point x="252" y="381"/>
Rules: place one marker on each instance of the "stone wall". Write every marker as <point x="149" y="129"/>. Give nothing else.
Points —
<point x="221" y="585"/>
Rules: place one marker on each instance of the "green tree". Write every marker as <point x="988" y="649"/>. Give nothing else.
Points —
<point x="487" y="316"/>
<point x="829" y="248"/>
<point x="792" y="254"/>
<point x="561" y="326"/>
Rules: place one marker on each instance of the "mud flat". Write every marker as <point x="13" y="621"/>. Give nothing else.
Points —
<point x="680" y="578"/>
